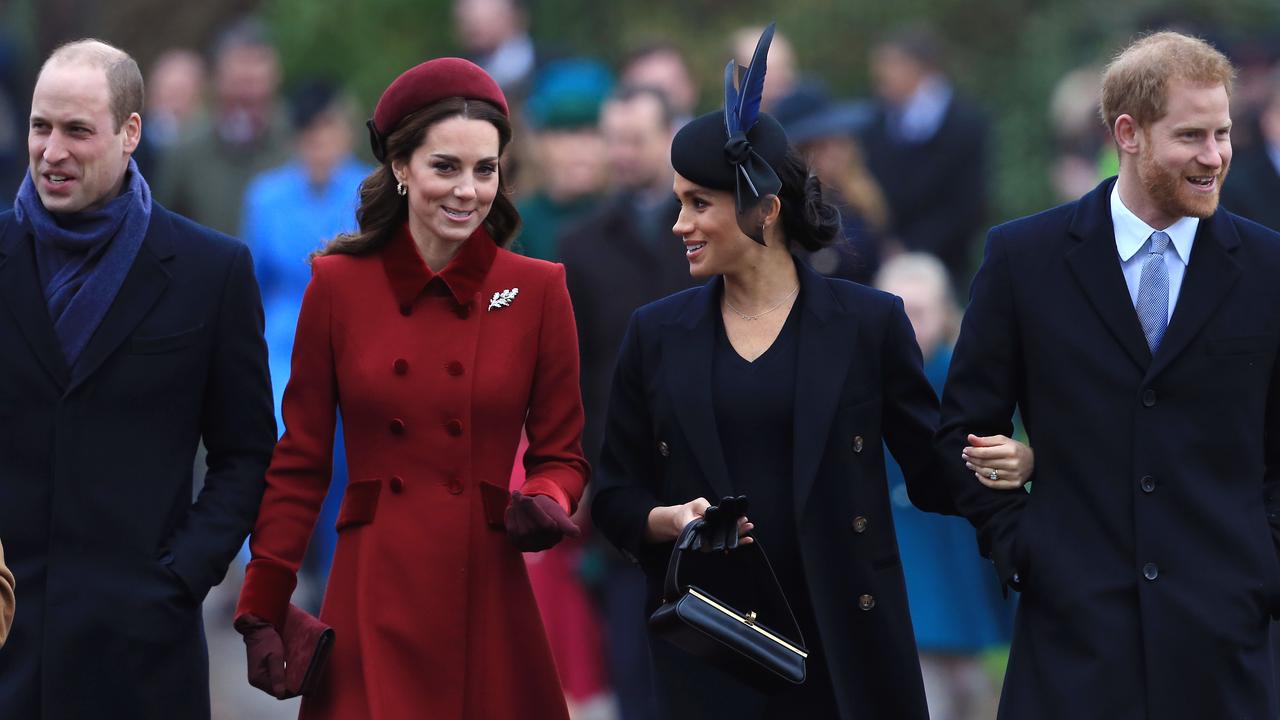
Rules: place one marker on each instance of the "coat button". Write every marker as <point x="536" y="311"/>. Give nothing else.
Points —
<point x="454" y="368"/>
<point x="860" y="524"/>
<point x="397" y="426"/>
<point x="406" y="309"/>
<point x="664" y="449"/>
<point x="866" y="602"/>
<point x="453" y="427"/>
<point x="1148" y="398"/>
<point x="454" y="486"/>
<point x="1148" y="484"/>
<point x="857" y="443"/>
<point x="397" y="484"/>
<point x="400" y="366"/>
<point x="1150" y="571"/>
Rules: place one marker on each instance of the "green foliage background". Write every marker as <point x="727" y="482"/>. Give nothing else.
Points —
<point x="1006" y="54"/>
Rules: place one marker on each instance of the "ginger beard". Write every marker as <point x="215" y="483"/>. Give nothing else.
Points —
<point x="1170" y="189"/>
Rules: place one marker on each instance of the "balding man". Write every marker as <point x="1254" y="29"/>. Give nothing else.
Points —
<point x="129" y="335"/>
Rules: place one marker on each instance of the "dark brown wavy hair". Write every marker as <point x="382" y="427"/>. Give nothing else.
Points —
<point x="382" y="210"/>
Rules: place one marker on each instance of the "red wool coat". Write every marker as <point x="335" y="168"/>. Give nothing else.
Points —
<point x="435" y="375"/>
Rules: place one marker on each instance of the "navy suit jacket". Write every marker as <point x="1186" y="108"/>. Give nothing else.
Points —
<point x="860" y="384"/>
<point x="1144" y="551"/>
<point x="111" y="555"/>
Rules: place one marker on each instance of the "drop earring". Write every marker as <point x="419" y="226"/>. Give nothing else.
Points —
<point x="401" y="190"/>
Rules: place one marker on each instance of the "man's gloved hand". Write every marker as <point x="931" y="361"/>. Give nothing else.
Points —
<point x="265" y="652"/>
<point x="720" y="526"/>
<point x="536" y="522"/>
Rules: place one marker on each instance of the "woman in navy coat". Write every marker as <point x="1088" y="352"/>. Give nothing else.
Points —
<point x="777" y="383"/>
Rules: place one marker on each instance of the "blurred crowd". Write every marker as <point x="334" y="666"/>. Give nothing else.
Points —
<point x="910" y="167"/>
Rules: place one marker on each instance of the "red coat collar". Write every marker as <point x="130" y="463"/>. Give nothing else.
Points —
<point x="409" y="275"/>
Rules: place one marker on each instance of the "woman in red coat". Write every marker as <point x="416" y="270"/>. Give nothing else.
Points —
<point x="437" y="345"/>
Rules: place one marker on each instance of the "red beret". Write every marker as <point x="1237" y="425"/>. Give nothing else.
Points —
<point x="423" y="84"/>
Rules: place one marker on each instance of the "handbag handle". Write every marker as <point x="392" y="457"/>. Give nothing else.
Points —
<point x="671" y="590"/>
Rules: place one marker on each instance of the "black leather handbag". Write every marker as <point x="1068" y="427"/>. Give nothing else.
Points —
<point x="731" y="639"/>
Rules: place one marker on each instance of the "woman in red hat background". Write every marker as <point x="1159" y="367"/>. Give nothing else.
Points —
<point x="437" y="346"/>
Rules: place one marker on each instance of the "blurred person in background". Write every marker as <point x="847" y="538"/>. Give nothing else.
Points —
<point x="783" y="77"/>
<point x="246" y="132"/>
<point x="437" y="346"/>
<point x="927" y="147"/>
<point x="130" y="335"/>
<point x="616" y="259"/>
<point x="7" y="602"/>
<point x="1254" y="190"/>
<point x="1084" y="150"/>
<point x="566" y="153"/>
<point x="290" y="212"/>
<point x="662" y="64"/>
<point x="494" y="34"/>
<point x="957" y="612"/>
<point x="175" y="101"/>
<point x="824" y="133"/>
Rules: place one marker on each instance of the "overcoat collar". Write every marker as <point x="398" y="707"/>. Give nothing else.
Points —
<point x="823" y="360"/>
<point x="142" y="287"/>
<point x="409" y="274"/>
<point x="1095" y="263"/>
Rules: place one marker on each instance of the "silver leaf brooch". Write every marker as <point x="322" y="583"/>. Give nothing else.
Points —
<point x="503" y="298"/>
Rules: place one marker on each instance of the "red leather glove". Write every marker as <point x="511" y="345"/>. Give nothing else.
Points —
<point x="265" y="652"/>
<point x="536" y="522"/>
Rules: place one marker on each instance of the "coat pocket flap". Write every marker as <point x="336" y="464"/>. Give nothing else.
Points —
<point x="359" y="504"/>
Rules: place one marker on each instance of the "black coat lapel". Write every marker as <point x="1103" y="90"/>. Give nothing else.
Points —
<point x="687" y="347"/>
<point x="23" y="296"/>
<point x="1210" y="274"/>
<point x="823" y="364"/>
<point x="1096" y="264"/>
<point x="142" y="287"/>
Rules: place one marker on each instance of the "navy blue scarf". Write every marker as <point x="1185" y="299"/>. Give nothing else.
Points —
<point x="83" y="257"/>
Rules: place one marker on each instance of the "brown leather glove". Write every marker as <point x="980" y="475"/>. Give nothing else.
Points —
<point x="536" y="522"/>
<point x="265" y="651"/>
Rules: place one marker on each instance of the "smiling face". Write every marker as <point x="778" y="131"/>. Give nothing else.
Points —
<point x="451" y="179"/>
<point x="708" y="225"/>
<point x="78" y="157"/>
<point x="1180" y="160"/>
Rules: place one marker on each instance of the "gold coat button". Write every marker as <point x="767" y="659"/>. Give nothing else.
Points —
<point x="857" y="443"/>
<point x="859" y="524"/>
<point x="866" y="602"/>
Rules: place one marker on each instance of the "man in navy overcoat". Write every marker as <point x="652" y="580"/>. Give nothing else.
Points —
<point x="1136" y="330"/>
<point x="129" y="335"/>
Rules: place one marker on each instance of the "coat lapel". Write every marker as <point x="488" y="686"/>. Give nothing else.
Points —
<point x="23" y="296"/>
<point x="687" y="347"/>
<point x="1095" y="262"/>
<point x="142" y="287"/>
<point x="1210" y="274"/>
<point x="822" y="367"/>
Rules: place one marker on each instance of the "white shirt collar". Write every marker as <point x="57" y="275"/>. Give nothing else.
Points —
<point x="1132" y="233"/>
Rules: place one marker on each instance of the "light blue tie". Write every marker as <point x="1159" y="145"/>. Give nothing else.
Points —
<point x="1153" y="291"/>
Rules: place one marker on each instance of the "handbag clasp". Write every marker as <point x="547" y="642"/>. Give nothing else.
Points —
<point x="750" y="617"/>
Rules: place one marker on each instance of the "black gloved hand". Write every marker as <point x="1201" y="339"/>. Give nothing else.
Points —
<point x="719" y="530"/>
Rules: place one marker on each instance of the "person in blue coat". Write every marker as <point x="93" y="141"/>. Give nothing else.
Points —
<point x="957" y="609"/>
<point x="130" y="334"/>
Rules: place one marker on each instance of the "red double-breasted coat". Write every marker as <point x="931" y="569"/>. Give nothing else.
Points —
<point x="435" y="375"/>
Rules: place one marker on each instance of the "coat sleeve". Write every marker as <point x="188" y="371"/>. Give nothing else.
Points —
<point x="554" y="463"/>
<point x="302" y="465"/>
<point x="980" y="397"/>
<point x="238" y="427"/>
<point x="910" y="417"/>
<point x="6" y="598"/>
<point x="1271" y="479"/>
<point x="624" y="495"/>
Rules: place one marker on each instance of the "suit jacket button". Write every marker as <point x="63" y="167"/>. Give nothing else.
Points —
<point x="1148" y="398"/>
<point x="664" y="449"/>
<point x="1150" y="571"/>
<point x="400" y="366"/>
<point x="397" y="484"/>
<point x="396" y="426"/>
<point x="1148" y="484"/>
<point x="857" y="443"/>
<point x="866" y="602"/>
<point x="859" y="524"/>
<point x="453" y="427"/>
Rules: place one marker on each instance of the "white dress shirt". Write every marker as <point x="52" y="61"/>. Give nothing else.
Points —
<point x="1134" y="235"/>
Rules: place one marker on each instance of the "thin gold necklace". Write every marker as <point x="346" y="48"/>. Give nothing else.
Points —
<point x="759" y="315"/>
